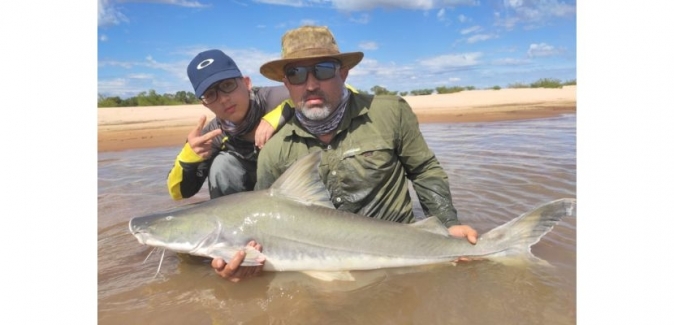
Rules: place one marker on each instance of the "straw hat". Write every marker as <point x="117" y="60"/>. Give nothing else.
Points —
<point x="308" y="42"/>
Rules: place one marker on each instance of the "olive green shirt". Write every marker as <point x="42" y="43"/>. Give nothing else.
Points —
<point x="377" y="147"/>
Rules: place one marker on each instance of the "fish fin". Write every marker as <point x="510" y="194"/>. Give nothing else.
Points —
<point x="330" y="276"/>
<point x="302" y="183"/>
<point x="518" y="235"/>
<point x="519" y="261"/>
<point x="432" y="225"/>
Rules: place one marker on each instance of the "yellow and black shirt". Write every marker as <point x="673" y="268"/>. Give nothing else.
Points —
<point x="190" y="170"/>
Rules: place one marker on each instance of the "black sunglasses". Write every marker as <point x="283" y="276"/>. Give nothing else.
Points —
<point x="225" y="86"/>
<point x="322" y="71"/>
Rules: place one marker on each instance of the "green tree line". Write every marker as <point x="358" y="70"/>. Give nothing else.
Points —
<point x="151" y="98"/>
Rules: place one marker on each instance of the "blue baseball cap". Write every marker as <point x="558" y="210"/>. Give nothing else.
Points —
<point x="209" y="67"/>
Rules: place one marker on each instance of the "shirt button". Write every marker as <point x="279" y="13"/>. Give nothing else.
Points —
<point x="334" y="173"/>
<point x="339" y="199"/>
<point x="329" y="147"/>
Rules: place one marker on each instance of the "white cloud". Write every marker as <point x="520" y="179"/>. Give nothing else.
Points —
<point x="441" y="14"/>
<point x="356" y="5"/>
<point x="175" y="68"/>
<point x="510" y="61"/>
<point x="432" y="72"/>
<point x="103" y="38"/>
<point x="310" y="22"/>
<point x="451" y="61"/>
<point x="361" y="5"/>
<point x="533" y="12"/>
<point x="140" y="76"/>
<point x="125" y="65"/>
<point x="181" y="3"/>
<point x="288" y="3"/>
<point x="514" y="3"/>
<point x="372" y="68"/>
<point x="542" y="50"/>
<point x="470" y="30"/>
<point x="109" y="15"/>
<point x="250" y="60"/>
<point x="362" y="19"/>
<point x="463" y="19"/>
<point x="118" y="87"/>
<point x="479" y="38"/>
<point x="368" y="46"/>
<point x="112" y="83"/>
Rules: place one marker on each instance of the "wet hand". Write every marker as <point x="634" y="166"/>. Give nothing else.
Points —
<point x="464" y="231"/>
<point x="201" y="144"/>
<point x="263" y="133"/>
<point x="233" y="271"/>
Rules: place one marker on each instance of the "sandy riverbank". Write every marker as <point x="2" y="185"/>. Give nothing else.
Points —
<point x="121" y="128"/>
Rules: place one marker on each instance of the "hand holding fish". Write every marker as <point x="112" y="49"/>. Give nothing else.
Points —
<point x="464" y="231"/>
<point x="201" y="144"/>
<point x="233" y="271"/>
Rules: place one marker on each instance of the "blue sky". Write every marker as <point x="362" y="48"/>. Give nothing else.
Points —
<point x="408" y="44"/>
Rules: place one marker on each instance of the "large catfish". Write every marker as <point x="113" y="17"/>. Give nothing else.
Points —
<point x="300" y="230"/>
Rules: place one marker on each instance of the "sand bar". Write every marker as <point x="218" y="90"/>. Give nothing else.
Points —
<point x="121" y="128"/>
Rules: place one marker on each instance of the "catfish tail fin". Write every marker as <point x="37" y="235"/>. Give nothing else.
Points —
<point x="515" y="238"/>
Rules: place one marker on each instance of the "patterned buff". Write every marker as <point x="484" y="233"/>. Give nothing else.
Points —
<point x="250" y="121"/>
<point x="328" y="124"/>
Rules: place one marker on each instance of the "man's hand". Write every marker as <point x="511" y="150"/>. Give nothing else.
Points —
<point x="201" y="144"/>
<point x="233" y="271"/>
<point x="464" y="231"/>
<point x="263" y="133"/>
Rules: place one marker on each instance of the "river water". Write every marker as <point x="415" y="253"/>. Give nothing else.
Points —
<point x="497" y="171"/>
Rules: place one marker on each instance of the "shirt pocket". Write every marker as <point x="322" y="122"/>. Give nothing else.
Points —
<point x="366" y="166"/>
<point x="371" y="154"/>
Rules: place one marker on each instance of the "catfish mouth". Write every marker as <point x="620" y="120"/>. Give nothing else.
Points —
<point x="140" y="234"/>
<point x="146" y="238"/>
<point x="143" y="235"/>
<point x="197" y="245"/>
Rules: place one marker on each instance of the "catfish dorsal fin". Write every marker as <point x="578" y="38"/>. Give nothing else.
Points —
<point x="302" y="183"/>
<point x="431" y="224"/>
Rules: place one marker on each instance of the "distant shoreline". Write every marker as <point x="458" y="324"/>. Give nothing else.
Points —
<point x="122" y="128"/>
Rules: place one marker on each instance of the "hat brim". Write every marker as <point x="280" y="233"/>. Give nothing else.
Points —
<point x="274" y="69"/>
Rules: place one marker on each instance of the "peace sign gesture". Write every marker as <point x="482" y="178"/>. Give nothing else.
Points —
<point x="201" y="144"/>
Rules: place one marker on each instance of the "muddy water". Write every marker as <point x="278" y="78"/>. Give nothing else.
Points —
<point x="497" y="171"/>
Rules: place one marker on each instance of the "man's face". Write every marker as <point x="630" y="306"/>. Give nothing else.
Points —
<point x="313" y="97"/>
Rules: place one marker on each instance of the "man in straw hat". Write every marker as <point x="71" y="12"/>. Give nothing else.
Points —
<point x="371" y="144"/>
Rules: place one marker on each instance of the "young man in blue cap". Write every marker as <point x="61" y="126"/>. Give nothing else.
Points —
<point x="225" y="150"/>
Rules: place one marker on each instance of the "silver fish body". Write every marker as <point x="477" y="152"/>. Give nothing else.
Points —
<point x="300" y="230"/>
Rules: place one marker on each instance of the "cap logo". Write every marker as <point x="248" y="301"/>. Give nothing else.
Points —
<point x="204" y="63"/>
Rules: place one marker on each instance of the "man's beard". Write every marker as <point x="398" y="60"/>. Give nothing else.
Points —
<point x="323" y="119"/>
<point x="315" y="113"/>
